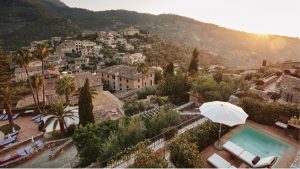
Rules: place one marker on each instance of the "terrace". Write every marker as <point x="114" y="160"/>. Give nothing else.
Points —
<point x="285" y="161"/>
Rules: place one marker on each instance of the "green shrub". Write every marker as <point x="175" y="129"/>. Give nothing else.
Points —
<point x="146" y="158"/>
<point x="166" y="118"/>
<point x="133" y="107"/>
<point x="206" y="133"/>
<point x="169" y="132"/>
<point x="147" y="91"/>
<point x="268" y="113"/>
<point x="185" y="149"/>
<point x="185" y="154"/>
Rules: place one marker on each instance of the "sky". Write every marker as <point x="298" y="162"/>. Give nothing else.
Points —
<point x="281" y="17"/>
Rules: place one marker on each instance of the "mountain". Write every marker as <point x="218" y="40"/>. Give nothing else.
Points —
<point x="232" y="48"/>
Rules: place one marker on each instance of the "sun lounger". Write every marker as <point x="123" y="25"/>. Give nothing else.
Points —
<point x="248" y="157"/>
<point x="12" y="134"/>
<point x="281" y="125"/>
<point x="9" y="140"/>
<point x="29" y="111"/>
<point x="28" y="149"/>
<point x="38" y="120"/>
<point x="39" y="143"/>
<point x="5" y="117"/>
<point x="218" y="162"/>
<point x="21" y="153"/>
<point x="233" y="148"/>
<point x="15" y="116"/>
<point x="2" y="116"/>
<point x="37" y="116"/>
<point x="263" y="162"/>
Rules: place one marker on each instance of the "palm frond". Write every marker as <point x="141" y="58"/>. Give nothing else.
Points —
<point x="49" y="120"/>
<point x="55" y="124"/>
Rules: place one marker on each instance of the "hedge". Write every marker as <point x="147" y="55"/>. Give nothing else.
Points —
<point x="268" y="113"/>
<point x="197" y="139"/>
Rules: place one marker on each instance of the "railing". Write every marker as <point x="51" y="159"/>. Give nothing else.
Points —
<point x="159" y="141"/>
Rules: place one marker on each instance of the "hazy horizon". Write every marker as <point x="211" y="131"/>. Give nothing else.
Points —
<point x="254" y="16"/>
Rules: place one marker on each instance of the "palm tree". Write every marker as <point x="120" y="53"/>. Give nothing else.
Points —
<point x="42" y="53"/>
<point x="37" y="82"/>
<point x="57" y="115"/>
<point x="22" y="58"/>
<point x="143" y="68"/>
<point x="65" y="86"/>
<point x="7" y="94"/>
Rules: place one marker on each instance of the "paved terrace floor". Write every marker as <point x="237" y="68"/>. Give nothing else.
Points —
<point x="281" y="134"/>
<point x="42" y="160"/>
<point x="28" y="127"/>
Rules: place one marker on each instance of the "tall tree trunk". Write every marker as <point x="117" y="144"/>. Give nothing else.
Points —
<point x="43" y="73"/>
<point x="9" y="114"/>
<point x="37" y="96"/>
<point x="34" y="99"/>
<point x="67" y="99"/>
<point x="62" y="126"/>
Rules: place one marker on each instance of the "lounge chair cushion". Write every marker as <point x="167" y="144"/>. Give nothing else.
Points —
<point x="21" y="153"/>
<point x="29" y="149"/>
<point x="233" y="148"/>
<point x="218" y="162"/>
<point x="266" y="161"/>
<point x="247" y="157"/>
<point x="281" y="124"/>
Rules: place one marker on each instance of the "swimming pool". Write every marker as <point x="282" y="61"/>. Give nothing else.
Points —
<point x="259" y="143"/>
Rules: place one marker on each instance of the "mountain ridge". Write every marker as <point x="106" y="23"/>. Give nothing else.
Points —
<point x="232" y="47"/>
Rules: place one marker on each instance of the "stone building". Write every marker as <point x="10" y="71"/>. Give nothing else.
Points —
<point x="290" y="65"/>
<point x="289" y="89"/>
<point x="134" y="58"/>
<point x="122" y="78"/>
<point x="81" y="61"/>
<point x="129" y="31"/>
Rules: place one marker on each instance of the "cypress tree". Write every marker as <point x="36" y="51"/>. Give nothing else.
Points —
<point x="193" y="68"/>
<point x="5" y="72"/>
<point x="85" y="105"/>
<point x="169" y="70"/>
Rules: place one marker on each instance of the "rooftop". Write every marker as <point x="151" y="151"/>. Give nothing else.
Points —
<point x="122" y="70"/>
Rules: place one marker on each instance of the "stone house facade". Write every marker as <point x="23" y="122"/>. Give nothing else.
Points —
<point x="289" y="89"/>
<point x="122" y="78"/>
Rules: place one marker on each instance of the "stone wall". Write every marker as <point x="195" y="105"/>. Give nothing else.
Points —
<point x="289" y="88"/>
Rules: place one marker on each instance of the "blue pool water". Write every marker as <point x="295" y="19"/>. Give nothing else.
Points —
<point x="259" y="143"/>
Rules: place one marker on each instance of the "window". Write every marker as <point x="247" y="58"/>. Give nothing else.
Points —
<point x="127" y="87"/>
<point x="127" y="80"/>
<point x="114" y="83"/>
<point x="151" y="82"/>
<point x="145" y="83"/>
<point x="107" y="76"/>
<point x="151" y="75"/>
<point x="113" y="77"/>
<point x="120" y="79"/>
<point x="138" y="86"/>
<point x="139" y="80"/>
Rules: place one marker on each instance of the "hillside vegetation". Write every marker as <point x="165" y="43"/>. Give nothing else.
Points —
<point x="232" y="48"/>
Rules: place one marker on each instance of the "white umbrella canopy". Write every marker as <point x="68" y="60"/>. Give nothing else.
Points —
<point x="224" y="113"/>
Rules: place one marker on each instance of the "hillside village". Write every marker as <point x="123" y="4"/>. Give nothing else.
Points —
<point x="135" y="89"/>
